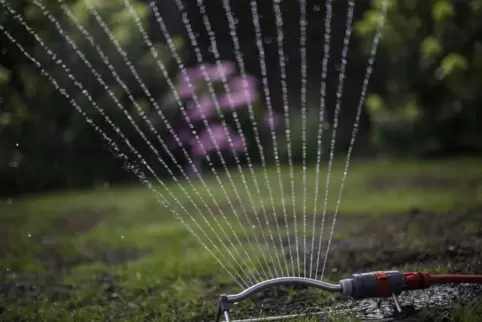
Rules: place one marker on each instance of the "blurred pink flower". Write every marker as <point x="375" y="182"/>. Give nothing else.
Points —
<point x="243" y="92"/>
<point x="224" y="70"/>
<point x="190" y="80"/>
<point x="194" y="169"/>
<point x="273" y="119"/>
<point x="217" y="139"/>
<point x="237" y="142"/>
<point x="205" y="107"/>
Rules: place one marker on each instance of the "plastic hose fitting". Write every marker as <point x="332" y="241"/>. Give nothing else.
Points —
<point x="373" y="284"/>
<point x="417" y="280"/>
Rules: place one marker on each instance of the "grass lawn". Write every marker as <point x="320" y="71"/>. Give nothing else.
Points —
<point x="117" y="254"/>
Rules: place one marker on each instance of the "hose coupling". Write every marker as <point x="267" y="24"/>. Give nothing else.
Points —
<point x="373" y="284"/>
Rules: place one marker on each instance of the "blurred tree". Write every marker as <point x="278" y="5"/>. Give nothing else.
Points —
<point x="44" y="142"/>
<point x="431" y="60"/>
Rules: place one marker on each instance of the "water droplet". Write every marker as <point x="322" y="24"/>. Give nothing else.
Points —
<point x="29" y="235"/>
<point x="122" y="237"/>
<point x="316" y="7"/>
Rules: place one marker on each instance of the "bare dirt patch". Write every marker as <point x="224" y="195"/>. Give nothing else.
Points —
<point x="417" y="237"/>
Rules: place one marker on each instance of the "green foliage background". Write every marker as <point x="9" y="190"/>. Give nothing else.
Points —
<point x="45" y="143"/>
<point x="424" y="99"/>
<point x="431" y="57"/>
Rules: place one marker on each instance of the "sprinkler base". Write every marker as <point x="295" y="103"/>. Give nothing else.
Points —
<point x="358" y="286"/>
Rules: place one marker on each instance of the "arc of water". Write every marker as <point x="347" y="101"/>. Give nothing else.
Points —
<point x="117" y="153"/>
<point x="319" y="150"/>
<point x="303" y="49"/>
<point x="267" y="94"/>
<point x="111" y="143"/>
<point x="183" y="111"/>
<point x="82" y="56"/>
<point x="339" y="93"/>
<point x="242" y="68"/>
<point x="141" y="83"/>
<point x="223" y="120"/>
<point x="217" y="57"/>
<point x="176" y="56"/>
<point x="237" y="52"/>
<point x="337" y="110"/>
<point x="284" y="90"/>
<point x="369" y="70"/>
<point x="208" y="128"/>
<point x="99" y="78"/>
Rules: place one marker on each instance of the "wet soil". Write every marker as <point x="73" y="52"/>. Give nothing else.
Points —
<point x="449" y="241"/>
<point x="434" y="304"/>
<point x="397" y="240"/>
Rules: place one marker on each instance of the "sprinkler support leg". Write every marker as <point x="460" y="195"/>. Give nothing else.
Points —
<point x="379" y="303"/>
<point x="223" y="308"/>
<point x="402" y="312"/>
<point x="397" y="305"/>
<point x="226" y="316"/>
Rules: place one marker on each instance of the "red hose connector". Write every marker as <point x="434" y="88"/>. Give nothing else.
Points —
<point x="388" y="283"/>
<point x="421" y="280"/>
<point x="417" y="280"/>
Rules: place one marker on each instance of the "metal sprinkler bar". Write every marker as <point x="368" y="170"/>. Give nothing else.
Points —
<point x="358" y="286"/>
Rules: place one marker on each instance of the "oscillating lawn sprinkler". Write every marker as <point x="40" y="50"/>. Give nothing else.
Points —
<point x="359" y="286"/>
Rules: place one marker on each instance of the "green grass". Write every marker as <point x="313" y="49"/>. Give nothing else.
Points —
<point x="170" y="275"/>
<point x="468" y="313"/>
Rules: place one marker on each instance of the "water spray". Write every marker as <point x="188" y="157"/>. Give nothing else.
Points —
<point x="376" y="285"/>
